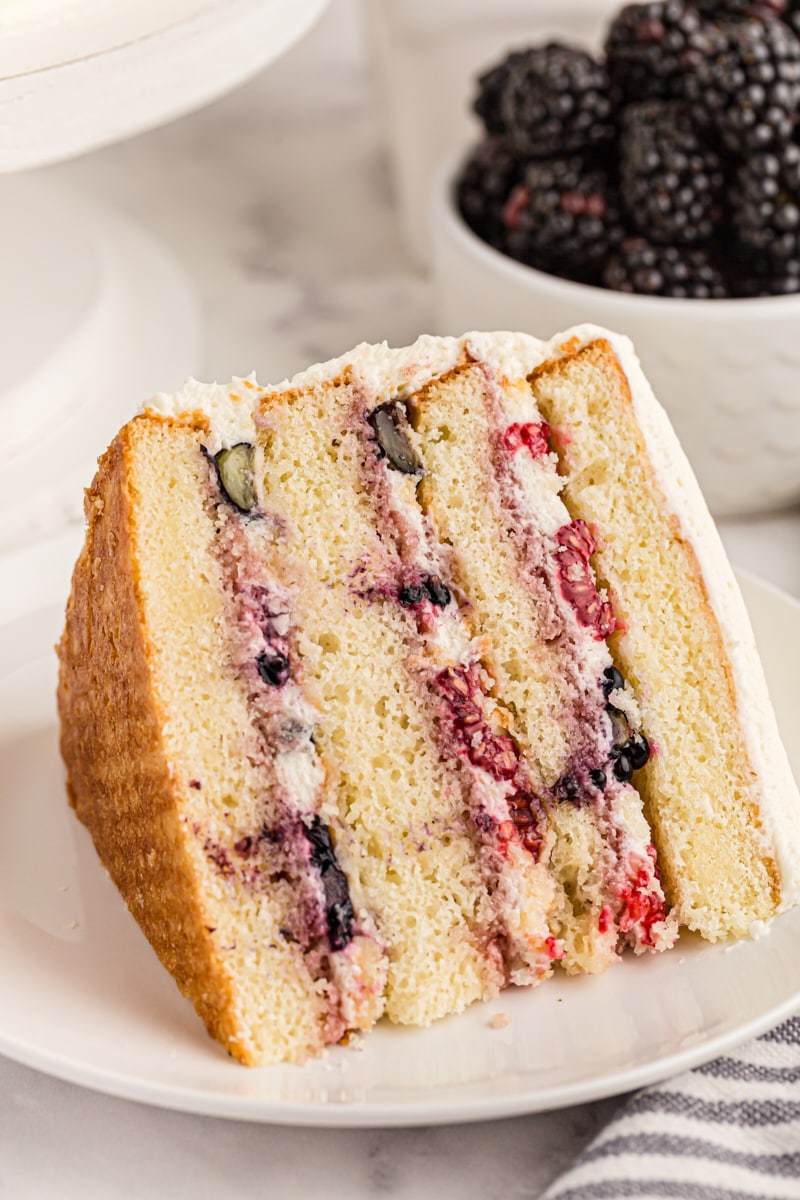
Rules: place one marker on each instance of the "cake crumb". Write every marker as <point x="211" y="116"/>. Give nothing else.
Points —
<point x="500" y="1021"/>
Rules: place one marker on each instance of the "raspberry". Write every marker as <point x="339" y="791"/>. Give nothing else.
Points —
<point x="671" y="180"/>
<point x="563" y="218"/>
<point x="750" y="85"/>
<point x="553" y="98"/>
<point x="653" y="270"/>
<point x="652" y="48"/>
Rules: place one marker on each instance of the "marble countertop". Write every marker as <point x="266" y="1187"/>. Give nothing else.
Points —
<point x="277" y="201"/>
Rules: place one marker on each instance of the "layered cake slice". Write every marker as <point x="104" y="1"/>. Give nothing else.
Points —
<point x="419" y="675"/>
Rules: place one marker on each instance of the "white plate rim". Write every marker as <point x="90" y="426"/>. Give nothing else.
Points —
<point x="355" y="1115"/>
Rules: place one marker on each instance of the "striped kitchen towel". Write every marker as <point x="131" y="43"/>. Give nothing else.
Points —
<point x="729" y="1130"/>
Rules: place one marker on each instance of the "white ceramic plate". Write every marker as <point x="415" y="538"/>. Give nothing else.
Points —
<point x="84" y="998"/>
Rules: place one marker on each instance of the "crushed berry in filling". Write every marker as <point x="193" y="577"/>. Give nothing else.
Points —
<point x="613" y="681"/>
<point x="554" y="948"/>
<point x="623" y="767"/>
<point x="638" y="751"/>
<point x="438" y="592"/>
<point x="534" y="437"/>
<point x="492" y="752"/>
<point x="429" y="588"/>
<point x="620" y="729"/>
<point x="567" y="788"/>
<point x="576" y="546"/>
<point x="495" y="753"/>
<point x="273" y="667"/>
<point x="339" y="913"/>
<point x="640" y="906"/>
<point x="410" y="595"/>
<point x="630" y="751"/>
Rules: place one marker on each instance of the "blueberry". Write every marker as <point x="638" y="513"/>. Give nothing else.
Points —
<point x="410" y="595"/>
<point x="393" y="441"/>
<point x="612" y="681"/>
<point x="598" y="779"/>
<point x="273" y="667"/>
<point x="638" y="751"/>
<point x="623" y="767"/>
<point x="620" y="729"/>
<point x="235" y="467"/>
<point x="438" y="592"/>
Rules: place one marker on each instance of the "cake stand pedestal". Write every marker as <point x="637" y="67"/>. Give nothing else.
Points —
<point x="95" y="314"/>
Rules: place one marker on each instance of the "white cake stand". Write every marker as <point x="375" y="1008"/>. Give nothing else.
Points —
<point x="95" y="315"/>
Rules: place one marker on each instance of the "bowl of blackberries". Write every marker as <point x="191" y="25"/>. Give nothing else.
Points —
<point x="653" y="188"/>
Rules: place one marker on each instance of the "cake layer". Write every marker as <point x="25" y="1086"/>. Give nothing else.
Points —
<point x="155" y="737"/>
<point x="700" y="790"/>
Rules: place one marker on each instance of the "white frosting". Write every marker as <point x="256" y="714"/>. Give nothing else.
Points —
<point x="385" y="372"/>
<point x="301" y="776"/>
<point x="228" y="408"/>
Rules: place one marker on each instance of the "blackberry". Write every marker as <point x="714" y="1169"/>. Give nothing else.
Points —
<point x="750" y="85"/>
<point x="484" y="184"/>
<point x="792" y="15"/>
<point x="757" y="279"/>
<point x="563" y="218"/>
<point x="652" y="270"/>
<point x="671" y="180"/>
<point x="553" y="97"/>
<point x="651" y="49"/>
<point x="724" y="10"/>
<point x="765" y="202"/>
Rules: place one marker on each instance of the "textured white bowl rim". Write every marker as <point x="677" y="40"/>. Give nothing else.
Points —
<point x="445" y="216"/>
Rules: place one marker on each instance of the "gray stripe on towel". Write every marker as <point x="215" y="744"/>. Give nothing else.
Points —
<point x="668" y="1189"/>
<point x="665" y="1143"/>
<point x="787" y="1033"/>
<point x="745" y="1112"/>
<point x="745" y="1072"/>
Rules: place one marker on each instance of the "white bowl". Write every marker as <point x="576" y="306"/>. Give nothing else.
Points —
<point x="727" y="371"/>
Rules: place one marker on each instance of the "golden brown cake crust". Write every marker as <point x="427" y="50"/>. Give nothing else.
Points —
<point x="118" y="774"/>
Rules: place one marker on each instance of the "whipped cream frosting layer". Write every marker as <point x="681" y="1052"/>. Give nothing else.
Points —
<point x="384" y="372"/>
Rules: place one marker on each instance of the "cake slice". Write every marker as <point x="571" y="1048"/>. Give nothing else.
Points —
<point x="419" y="675"/>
